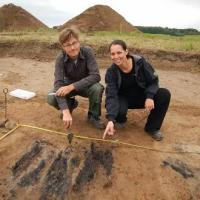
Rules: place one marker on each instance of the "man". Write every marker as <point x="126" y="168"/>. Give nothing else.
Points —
<point x="76" y="73"/>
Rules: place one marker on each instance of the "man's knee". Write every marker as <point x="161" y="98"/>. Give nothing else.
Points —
<point x="51" y="100"/>
<point x="97" y="88"/>
<point x="96" y="91"/>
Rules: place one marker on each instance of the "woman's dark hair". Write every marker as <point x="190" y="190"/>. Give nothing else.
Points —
<point x="118" y="42"/>
<point x="121" y="43"/>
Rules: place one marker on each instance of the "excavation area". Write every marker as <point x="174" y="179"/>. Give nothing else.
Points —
<point x="40" y="164"/>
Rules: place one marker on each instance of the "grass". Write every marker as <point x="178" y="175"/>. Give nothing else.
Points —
<point x="188" y="43"/>
<point x="41" y="36"/>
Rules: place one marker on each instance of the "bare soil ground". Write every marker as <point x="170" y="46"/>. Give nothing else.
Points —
<point x="38" y="165"/>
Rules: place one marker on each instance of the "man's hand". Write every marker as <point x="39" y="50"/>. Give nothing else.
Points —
<point x="109" y="129"/>
<point x="63" y="91"/>
<point x="149" y="105"/>
<point x="67" y="118"/>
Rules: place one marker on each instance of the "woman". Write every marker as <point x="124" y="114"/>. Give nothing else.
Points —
<point x="132" y="83"/>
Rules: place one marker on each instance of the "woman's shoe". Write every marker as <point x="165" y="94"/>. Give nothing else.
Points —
<point x="156" y="135"/>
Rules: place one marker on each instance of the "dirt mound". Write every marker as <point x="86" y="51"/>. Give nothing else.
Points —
<point x="99" y="18"/>
<point x="15" y="18"/>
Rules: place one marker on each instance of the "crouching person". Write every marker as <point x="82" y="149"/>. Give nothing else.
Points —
<point x="131" y="83"/>
<point x="76" y="73"/>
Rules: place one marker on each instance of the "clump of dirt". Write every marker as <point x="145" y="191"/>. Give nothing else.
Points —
<point x="96" y="18"/>
<point x="10" y="124"/>
<point x="2" y="123"/>
<point x="15" y="18"/>
<point x="26" y="159"/>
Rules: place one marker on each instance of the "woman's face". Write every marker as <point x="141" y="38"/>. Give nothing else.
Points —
<point x="118" y="54"/>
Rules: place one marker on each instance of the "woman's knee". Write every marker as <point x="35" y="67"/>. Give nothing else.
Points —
<point x="163" y="95"/>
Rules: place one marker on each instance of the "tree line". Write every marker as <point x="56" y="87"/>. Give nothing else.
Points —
<point x="168" y="31"/>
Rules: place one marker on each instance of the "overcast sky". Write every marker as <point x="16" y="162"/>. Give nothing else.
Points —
<point x="165" y="13"/>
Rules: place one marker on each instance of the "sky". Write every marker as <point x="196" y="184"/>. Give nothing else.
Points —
<point x="164" y="13"/>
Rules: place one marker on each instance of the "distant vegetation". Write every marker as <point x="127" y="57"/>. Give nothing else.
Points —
<point x="168" y="31"/>
<point x="187" y="43"/>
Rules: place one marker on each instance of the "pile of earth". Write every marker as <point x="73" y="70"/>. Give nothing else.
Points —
<point x="15" y="18"/>
<point x="99" y="18"/>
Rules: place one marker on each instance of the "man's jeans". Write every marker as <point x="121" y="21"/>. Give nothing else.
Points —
<point x="93" y="93"/>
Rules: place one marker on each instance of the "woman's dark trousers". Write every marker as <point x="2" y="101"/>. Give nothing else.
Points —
<point x="156" y="116"/>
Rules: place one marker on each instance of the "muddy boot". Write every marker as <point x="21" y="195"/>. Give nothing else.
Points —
<point x="119" y="125"/>
<point x="96" y="122"/>
<point x="156" y="135"/>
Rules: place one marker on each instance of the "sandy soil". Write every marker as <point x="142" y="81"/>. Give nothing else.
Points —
<point x="137" y="174"/>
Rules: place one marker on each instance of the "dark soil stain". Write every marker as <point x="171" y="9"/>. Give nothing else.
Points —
<point x="61" y="174"/>
<point x="179" y="167"/>
<point x="56" y="183"/>
<point x="26" y="159"/>
<point x="92" y="159"/>
<point x="33" y="176"/>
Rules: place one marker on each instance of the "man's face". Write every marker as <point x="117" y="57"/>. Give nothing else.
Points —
<point x="72" y="47"/>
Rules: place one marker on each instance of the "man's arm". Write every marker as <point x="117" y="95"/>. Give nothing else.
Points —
<point x="59" y="81"/>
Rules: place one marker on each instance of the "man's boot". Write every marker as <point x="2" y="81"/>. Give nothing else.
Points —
<point x="96" y="122"/>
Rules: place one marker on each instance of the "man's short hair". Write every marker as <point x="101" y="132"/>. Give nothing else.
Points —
<point x="66" y="34"/>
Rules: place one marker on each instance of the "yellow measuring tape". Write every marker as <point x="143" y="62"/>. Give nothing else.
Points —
<point x="94" y="139"/>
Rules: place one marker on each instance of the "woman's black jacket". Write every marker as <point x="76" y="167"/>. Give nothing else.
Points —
<point x="146" y="78"/>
